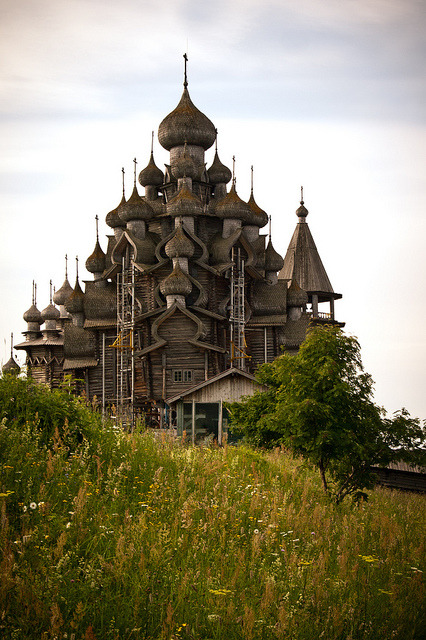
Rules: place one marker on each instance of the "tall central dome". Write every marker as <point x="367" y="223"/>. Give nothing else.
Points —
<point x="187" y="124"/>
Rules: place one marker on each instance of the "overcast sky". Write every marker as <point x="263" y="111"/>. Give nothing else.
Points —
<point x="326" y="94"/>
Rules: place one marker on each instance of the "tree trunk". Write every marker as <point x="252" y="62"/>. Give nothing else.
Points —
<point x="323" y="478"/>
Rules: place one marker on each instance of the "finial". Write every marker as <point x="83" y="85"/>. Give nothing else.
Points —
<point x="123" y="172"/>
<point x="76" y="266"/>
<point x="97" y="227"/>
<point x="233" y="171"/>
<point x="51" y="298"/>
<point x="215" y="142"/>
<point x="33" y="294"/>
<point x="251" y="179"/>
<point x="11" y="345"/>
<point x="135" y="162"/>
<point x="301" y="195"/>
<point x="270" y="227"/>
<point x="152" y="142"/>
<point x="185" y="82"/>
<point x="66" y="267"/>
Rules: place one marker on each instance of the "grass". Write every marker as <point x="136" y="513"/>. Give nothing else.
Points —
<point x="110" y="535"/>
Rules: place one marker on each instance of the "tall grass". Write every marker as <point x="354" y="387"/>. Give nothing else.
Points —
<point x="110" y="535"/>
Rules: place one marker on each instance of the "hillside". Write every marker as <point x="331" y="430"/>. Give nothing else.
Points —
<point x="113" y="535"/>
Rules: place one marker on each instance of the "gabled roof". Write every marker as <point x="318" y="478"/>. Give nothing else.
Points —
<point x="303" y="263"/>
<point x="224" y="374"/>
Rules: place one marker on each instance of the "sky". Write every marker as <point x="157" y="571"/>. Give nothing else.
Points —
<point x="326" y="94"/>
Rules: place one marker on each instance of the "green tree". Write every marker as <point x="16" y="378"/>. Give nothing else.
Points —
<point x="319" y="404"/>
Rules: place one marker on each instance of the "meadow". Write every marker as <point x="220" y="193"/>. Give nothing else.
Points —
<point x="111" y="535"/>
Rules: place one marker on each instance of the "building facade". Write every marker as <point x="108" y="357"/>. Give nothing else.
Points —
<point x="190" y="286"/>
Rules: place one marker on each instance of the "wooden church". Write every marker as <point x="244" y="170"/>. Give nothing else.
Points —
<point x="189" y="298"/>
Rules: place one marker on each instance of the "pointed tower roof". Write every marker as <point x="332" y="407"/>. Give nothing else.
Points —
<point x="302" y="261"/>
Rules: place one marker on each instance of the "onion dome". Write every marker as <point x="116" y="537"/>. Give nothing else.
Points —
<point x="96" y="262"/>
<point x="296" y="296"/>
<point x="259" y="216"/>
<point x="273" y="260"/>
<point x="136" y="208"/>
<point x="231" y="206"/>
<point x="185" y="167"/>
<point x="11" y="367"/>
<point x="33" y="315"/>
<point x="180" y="246"/>
<point x="302" y="211"/>
<point x="62" y="294"/>
<point x="151" y="175"/>
<point x="75" y="303"/>
<point x="113" y="219"/>
<point x="50" y="313"/>
<point x="177" y="283"/>
<point x="184" y="203"/>
<point x="218" y="173"/>
<point x="186" y="124"/>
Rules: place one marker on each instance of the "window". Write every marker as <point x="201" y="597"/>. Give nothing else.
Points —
<point x="182" y="375"/>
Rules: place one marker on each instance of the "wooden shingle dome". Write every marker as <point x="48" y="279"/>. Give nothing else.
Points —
<point x="231" y="206"/>
<point x="218" y="173"/>
<point x="184" y="203"/>
<point x="113" y="219"/>
<point x="96" y="262"/>
<point x="151" y="175"/>
<point x="180" y="246"/>
<point x="135" y="208"/>
<point x="177" y="283"/>
<point x="187" y="124"/>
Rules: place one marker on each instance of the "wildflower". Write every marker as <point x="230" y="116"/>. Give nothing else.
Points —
<point x="389" y="593"/>
<point x="214" y="617"/>
<point x="33" y="505"/>
<point x="256" y="531"/>
<point x="369" y="558"/>
<point x="68" y="525"/>
<point x="24" y="508"/>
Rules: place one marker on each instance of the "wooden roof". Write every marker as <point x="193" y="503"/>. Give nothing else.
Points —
<point x="229" y="373"/>
<point x="303" y="263"/>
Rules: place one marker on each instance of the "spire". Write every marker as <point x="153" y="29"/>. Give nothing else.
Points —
<point x="11" y="366"/>
<point x="185" y="80"/>
<point x="135" y="162"/>
<point x="302" y="211"/>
